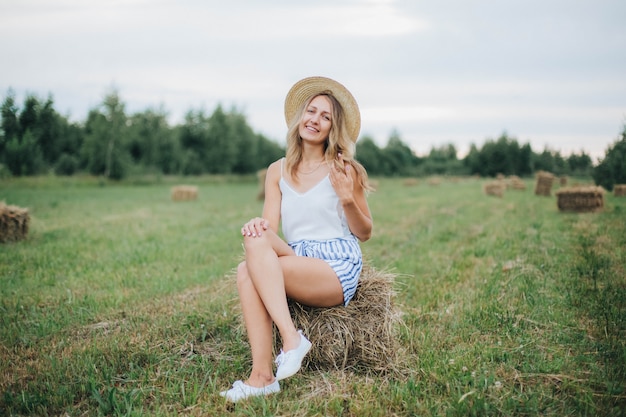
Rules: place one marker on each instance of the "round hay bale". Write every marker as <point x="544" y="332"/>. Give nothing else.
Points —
<point x="361" y="335"/>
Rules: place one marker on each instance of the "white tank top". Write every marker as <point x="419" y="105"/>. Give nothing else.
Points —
<point x="316" y="214"/>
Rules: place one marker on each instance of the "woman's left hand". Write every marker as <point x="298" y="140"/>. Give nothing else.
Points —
<point x="254" y="227"/>
<point x="341" y="179"/>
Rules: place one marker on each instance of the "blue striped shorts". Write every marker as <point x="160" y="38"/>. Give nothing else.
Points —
<point x="342" y="254"/>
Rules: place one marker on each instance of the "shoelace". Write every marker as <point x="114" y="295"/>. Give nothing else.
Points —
<point x="280" y="358"/>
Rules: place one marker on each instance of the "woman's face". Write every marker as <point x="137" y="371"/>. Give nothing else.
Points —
<point x="316" y="120"/>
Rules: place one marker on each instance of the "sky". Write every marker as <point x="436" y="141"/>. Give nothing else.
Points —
<point x="551" y="73"/>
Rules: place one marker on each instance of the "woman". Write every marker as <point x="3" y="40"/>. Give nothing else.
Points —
<point x="318" y="191"/>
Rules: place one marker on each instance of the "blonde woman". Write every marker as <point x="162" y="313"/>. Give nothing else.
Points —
<point x="318" y="192"/>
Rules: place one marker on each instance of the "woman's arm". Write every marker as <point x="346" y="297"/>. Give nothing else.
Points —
<point x="353" y="200"/>
<point x="271" y="207"/>
<point x="273" y="196"/>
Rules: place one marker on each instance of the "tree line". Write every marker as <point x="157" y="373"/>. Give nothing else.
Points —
<point x="35" y="139"/>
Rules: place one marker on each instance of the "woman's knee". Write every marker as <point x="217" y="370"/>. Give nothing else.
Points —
<point x="243" y="276"/>
<point x="251" y="244"/>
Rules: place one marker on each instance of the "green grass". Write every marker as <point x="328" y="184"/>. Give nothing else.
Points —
<point x="122" y="302"/>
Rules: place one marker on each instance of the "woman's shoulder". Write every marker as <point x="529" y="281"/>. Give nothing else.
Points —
<point x="276" y="165"/>
<point x="275" y="168"/>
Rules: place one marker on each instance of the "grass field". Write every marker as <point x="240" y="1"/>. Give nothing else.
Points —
<point x="122" y="302"/>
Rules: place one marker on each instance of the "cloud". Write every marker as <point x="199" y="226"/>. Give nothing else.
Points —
<point x="368" y="19"/>
<point x="434" y="70"/>
<point x="249" y="21"/>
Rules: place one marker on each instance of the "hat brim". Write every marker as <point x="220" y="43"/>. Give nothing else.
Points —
<point x="308" y="87"/>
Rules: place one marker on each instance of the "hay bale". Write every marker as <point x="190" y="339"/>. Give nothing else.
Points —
<point x="184" y="193"/>
<point x="434" y="181"/>
<point x="543" y="186"/>
<point x="361" y="335"/>
<point x="580" y="199"/>
<point x="261" y="174"/>
<point x="410" y="182"/>
<point x="563" y="181"/>
<point x="619" y="190"/>
<point x="494" y="188"/>
<point x="14" y="223"/>
<point x="516" y="183"/>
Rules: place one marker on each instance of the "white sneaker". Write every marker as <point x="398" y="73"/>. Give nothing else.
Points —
<point x="290" y="362"/>
<point x="241" y="391"/>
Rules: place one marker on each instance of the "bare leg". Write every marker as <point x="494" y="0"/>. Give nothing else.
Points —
<point x="259" y="329"/>
<point x="266" y="274"/>
<point x="270" y="273"/>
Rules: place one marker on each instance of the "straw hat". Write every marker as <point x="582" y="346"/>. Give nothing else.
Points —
<point x="305" y="88"/>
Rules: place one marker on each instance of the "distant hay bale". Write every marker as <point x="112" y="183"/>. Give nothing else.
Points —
<point x="580" y="199"/>
<point x="14" y="223"/>
<point x="543" y="186"/>
<point x="261" y="174"/>
<point x="516" y="183"/>
<point x="184" y="193"/>
<point x="619" y="190"/>
<point x="410" y="182"/>
<point x="361" y="335"/>
<point x="494" y="188"/>
<point x="434" y="181"/>
<point x="563" y="181"/>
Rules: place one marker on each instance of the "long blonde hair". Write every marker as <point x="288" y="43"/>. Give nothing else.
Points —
<point x="338" y="141"/>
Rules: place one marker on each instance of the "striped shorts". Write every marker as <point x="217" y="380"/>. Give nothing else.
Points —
<point x="342" y="254"/>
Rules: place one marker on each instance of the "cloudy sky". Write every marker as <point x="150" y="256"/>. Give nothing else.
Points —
<point x="551" y="73"/>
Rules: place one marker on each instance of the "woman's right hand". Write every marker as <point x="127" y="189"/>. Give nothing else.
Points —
<point x="255" y="227"/>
